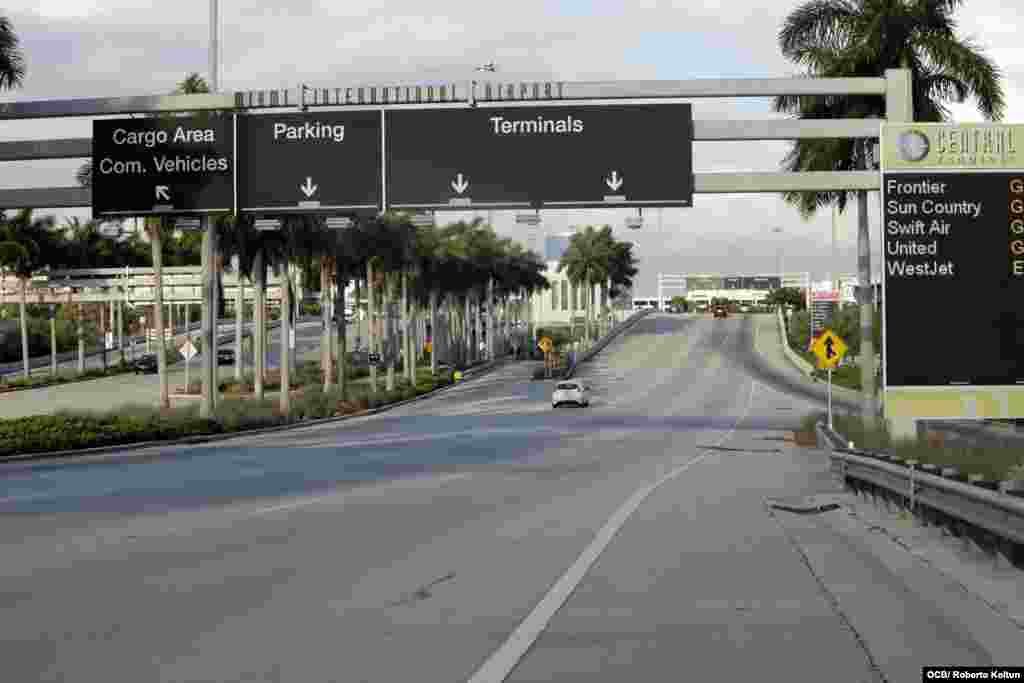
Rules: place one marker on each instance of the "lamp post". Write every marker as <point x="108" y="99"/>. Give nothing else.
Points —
<point x="778" y="231"/>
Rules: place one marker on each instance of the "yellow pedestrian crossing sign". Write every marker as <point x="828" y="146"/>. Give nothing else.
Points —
<point x="829" y="348"/>
<point x="545" y="344"/>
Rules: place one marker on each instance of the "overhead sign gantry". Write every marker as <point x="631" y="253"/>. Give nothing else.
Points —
<point x="568" y="156"/>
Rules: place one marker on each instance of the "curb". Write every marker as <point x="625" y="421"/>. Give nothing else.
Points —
<point x="208" y="438"/>
<point x="798" y="362"/>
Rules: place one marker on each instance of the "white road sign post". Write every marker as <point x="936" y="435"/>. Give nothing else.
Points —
<point x="189" y="351"/>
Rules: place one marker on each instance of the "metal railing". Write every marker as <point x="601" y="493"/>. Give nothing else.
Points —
<point x="996" y="513"/>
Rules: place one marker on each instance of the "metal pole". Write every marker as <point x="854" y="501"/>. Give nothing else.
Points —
<point x="830" y="398"/>
<point x="208" y="279"/>
<point x="53" y="344"/>
<point x="81" y="339"/>
<point x="214" y="47"/>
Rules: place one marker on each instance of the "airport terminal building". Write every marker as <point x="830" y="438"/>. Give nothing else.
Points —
<point x="701" y="289"/>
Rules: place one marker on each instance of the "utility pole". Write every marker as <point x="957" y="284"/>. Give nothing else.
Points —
<point x="209" y="321"/>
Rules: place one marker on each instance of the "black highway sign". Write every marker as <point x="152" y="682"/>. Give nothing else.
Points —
<point x="310" y="162"/>
<point x="578" y="156"/>
<point x="167" y="165"/>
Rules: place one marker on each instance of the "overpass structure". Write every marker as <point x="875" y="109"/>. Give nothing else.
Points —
<point x="130" y="285"/>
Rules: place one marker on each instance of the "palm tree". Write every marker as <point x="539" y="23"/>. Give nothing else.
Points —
<point x="587" y="263"/>
<point x="25" y="246"/>
<point x="857" y="38"/>
<point x="257" y="251"/>
<point x="12" y="64"/>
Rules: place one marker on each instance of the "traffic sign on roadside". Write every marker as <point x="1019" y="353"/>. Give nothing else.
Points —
<point x="320" y="161"/>
<point x="166" y="165"/>
<point x="188" y="350"/>
<point x="578" y="156"/>
<point x="545" y="344"/>
<point x="830" y="349"/>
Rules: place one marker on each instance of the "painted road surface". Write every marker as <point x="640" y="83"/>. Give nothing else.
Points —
<point x="481" y="535"/>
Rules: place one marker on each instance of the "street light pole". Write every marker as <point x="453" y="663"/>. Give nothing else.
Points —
<point x="778" y="231"/>
<point x="214" y="46"/>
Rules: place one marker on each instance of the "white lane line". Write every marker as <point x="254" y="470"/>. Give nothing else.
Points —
<point x="501" y="663"/>
<point x="443" y="479"/>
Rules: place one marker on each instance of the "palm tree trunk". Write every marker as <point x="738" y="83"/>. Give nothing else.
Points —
<point x="156" y="237"/>
<point x="403" y="275"/>
<point x="491" y="347"/>
<point x="239" y="323"/>
<point x="371" y="295"/>
<point x="80" y="331"/>
<point x="467" y="325"/>
<point x="530" y="331"/>
<point x="339" y="312"/>
<point x="259" y="332"/>
<point x="325" y="317"/>
<point x="286" y="304"/>
<point x="389" y="382"/>
<point x="867" y="311"/>
<point x="24" y="327"/>
<point x="358" y="310"/>
<point x="434" y="336"/>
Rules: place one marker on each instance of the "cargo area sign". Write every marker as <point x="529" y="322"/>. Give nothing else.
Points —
<point x="575" y="156"/>
<point x="953" y="246"/>
<point x="167" y="165"/>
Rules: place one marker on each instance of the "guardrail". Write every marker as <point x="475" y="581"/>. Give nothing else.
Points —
<point x="939" y="499"/>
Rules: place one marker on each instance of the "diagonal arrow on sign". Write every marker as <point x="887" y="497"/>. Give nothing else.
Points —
<point x="309" y="189"/>
<point x="615" y="182"/>
<point x="459" y="184"/>
<point x="161" y="192"/>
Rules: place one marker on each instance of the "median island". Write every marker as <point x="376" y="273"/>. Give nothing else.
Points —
<point x="237" y="411"/>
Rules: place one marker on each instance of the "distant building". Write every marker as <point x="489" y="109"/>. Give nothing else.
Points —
<point x="749" y="290"/>
<point x="563" y="301"/>
<point x="555" y="245"/>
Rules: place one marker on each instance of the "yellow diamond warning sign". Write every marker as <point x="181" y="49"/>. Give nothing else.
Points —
<point x="829" y="348"/>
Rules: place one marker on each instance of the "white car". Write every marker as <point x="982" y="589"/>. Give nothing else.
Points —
<point x="571" y="391"/>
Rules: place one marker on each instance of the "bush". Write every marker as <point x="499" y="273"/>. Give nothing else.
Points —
<point x="315" y="403"/>
<point x="248" y="414"/>
<point x="65" y="430"/>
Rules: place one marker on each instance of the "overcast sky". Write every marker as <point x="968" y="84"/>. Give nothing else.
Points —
<point x="100" y="48"/>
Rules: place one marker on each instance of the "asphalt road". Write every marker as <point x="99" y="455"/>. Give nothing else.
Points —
<point x="481" y="535"/>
